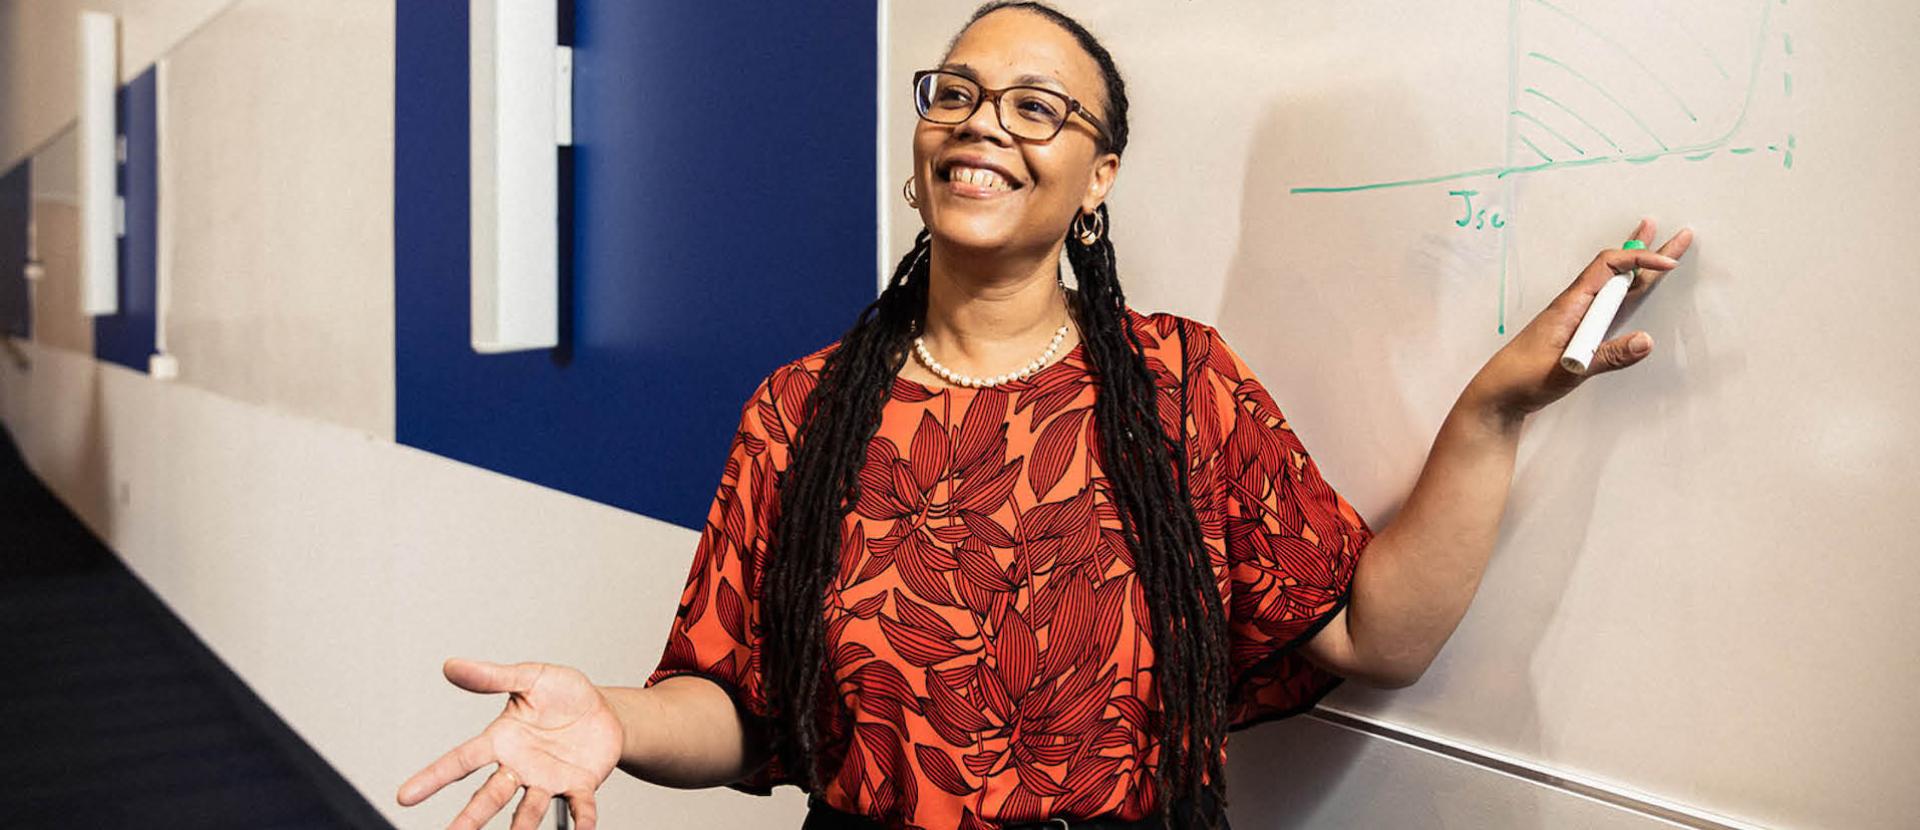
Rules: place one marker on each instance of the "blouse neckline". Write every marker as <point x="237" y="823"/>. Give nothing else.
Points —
<point x="1075" y="355"/>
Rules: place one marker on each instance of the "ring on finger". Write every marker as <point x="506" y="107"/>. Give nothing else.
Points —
<point x="1632" y="245"/>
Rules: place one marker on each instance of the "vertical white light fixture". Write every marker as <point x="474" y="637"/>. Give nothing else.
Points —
<point x="162" y="364"/>
<point x="100" y="216"/>
<point x="521" y="95"/>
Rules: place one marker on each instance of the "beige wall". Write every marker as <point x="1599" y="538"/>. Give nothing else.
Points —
<point x="39" y="87"/>
<point x="57" y="318"/>
<point x="277" y="205"/>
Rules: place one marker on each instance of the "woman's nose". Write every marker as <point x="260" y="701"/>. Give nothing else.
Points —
<point x="985" y="123"/>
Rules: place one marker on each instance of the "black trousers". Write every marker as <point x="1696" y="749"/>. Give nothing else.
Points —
<point x="822" y="817"/>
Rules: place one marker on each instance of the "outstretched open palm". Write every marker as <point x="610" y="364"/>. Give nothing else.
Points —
<point x="557" y="737"/>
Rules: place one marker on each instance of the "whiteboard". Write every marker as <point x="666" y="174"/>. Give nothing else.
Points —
<point x="1701" y="589"/>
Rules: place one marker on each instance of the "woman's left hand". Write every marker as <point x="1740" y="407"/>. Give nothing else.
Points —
<point x="1525" y="375"/>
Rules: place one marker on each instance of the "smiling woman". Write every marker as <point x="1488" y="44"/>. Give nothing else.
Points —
<point x="956" y="578"/>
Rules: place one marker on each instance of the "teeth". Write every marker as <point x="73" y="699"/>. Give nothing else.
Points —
<point x="979" y="177"/>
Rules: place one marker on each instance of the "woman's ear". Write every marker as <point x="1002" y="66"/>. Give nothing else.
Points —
<point x="1106" y="168"/>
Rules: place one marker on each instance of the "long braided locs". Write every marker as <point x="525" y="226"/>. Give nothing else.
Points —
<point x="840" y="418"/>
<point x="1145" y="480"/>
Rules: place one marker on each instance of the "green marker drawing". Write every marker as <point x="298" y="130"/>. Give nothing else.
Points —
<point x="1746" y="108"/>
<point x="1617" y="45"/>
<point x="1554" y="132"/>
<point x="1531" y="146"/>
<point x="1603" y="91"/>
<point x="1506" y="148"/>
<point x="1576" y="116"/>
<point x="1468" y="196"/>
<point x="1694" y="37"/>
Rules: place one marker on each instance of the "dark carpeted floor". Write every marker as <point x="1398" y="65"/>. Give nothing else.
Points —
<point x="114" y="715"/>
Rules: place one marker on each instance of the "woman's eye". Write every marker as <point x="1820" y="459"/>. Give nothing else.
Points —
<point x="1039" y="110"/>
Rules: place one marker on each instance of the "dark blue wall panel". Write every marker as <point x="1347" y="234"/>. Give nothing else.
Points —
<point x="127" y="337"/>
<point x="721" y="221"/>
<point x="16" y="197"/>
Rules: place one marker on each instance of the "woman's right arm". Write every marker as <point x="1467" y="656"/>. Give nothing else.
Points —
<point x="684" y="732"/>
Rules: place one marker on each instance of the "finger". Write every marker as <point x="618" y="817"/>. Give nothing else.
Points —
<point x="1622" y="261"/>
<point x="1643" y="232"/>
<point x="1678" y="244"/>
<point x="585" y="814"/>
<point x="490" y="678"/>
<point x="1675" y="248"/>
<point x="533" y="808"/>
<point x="1573" y="301"/>
<point x="1620" y="352"/>
<point x="487" y="801"/>
<point x="458" y="763"/>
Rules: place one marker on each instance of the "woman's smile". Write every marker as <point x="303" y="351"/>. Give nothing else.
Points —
<point x="974" y="177"/>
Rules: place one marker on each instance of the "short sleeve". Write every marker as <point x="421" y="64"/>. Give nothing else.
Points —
<point x="716" y="632"/>
<point x="1291" y="542"/>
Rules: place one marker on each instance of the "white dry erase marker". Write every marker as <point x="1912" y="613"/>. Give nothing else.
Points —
<point x="1593" y="327"/>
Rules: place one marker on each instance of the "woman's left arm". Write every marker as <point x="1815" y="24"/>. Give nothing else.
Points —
<point x="1413" y="584"/>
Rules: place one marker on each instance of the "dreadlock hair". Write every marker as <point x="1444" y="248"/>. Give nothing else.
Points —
<point x="1146" y="479"/>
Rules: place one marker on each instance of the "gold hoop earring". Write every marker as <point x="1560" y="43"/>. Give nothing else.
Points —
<point x="1088" y="230"/>
<point x="913" y="199"/>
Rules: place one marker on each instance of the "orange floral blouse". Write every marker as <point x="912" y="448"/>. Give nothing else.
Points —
<point x="987" y="634"/>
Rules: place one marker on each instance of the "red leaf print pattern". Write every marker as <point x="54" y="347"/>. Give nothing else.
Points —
<point x="938" y="766"/>
<point x="1014" y="654"/>
<point x="733" y="615"/>
<point x="1054" y="450"/>
<point x="916" y="646"/>
<point x="990" y="643"/>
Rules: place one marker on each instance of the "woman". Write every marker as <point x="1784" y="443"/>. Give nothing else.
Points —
<point x="949" y="583"/>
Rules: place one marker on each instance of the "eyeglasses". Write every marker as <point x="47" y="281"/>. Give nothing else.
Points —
<point x="944" y="97"/>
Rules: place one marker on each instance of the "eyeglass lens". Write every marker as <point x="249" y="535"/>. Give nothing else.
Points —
<point x="1026" y="112"/>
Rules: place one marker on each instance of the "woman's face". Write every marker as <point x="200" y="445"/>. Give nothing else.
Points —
<point x="1009" y="193"/>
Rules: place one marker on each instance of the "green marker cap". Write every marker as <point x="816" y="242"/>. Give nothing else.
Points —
<point x="1634" y="245"/>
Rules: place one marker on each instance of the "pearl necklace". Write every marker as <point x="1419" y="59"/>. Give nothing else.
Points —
<point x="957" y="379"/>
